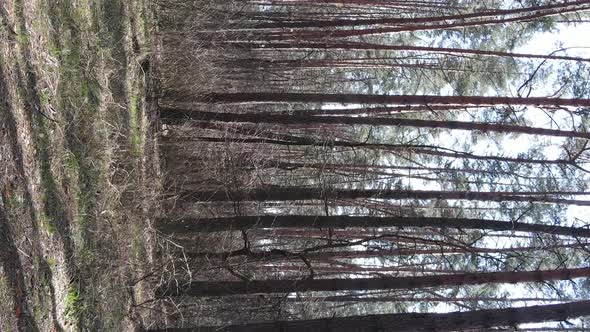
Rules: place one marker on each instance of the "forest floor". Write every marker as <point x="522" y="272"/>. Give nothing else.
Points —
<point x="78" y="164"/>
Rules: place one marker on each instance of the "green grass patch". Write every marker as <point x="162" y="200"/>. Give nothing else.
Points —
<point x="44" y="98"/>
<point x="47" y="223"/>
<point x="74" y="305"/>
<point x="135" y="124"/>
<point x="51" y="262"/>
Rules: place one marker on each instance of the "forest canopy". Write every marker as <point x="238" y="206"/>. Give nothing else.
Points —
<point x="374" y="165"/>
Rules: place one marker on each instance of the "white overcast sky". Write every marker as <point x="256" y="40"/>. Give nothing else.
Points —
<point x="570" y="36"/>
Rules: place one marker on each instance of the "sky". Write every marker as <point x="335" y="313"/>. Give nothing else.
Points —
<point x="569" y="36"/>
<point x="578" y="39"/>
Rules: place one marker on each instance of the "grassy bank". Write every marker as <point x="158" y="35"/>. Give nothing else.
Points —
<point x="79" y="163"/>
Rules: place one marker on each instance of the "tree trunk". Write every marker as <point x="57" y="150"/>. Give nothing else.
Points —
<point x="431" y="150"/>
<point x="453" y="321"/>
<point x="339" y="33"/>
<point x="277" y="193"/>
<point x="178" y="116"/>
<point x="301" y="221"/>
<point x="357" y="46"/>
<point x="436" y="249"/>
<point x="351" y="98"/>
<point x="225" y="288"/>
<point x="369" y="299"/>
<point x="409" y="21"/>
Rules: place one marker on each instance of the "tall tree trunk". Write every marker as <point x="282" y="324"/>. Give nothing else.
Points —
<point x="327" y="34"/>
<point x="225" y="288"/>
<point x="435" y="249"/>
<point x="369" y="299"/>
<point x="453" y="321"/>
<point x="344" y="167"/>
<point x="276" y="193"/>
<point x="383" y="110"/>
<point x="419" y="149"/>
<point x="351" y="98"/>
<point x="303" y="221"/>
<point x="357" y="46"/>
<point x="410" y="20"/>
<point x="178" y="116"/>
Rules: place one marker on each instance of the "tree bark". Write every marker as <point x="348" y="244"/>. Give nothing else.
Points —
<point x="178" y="116"/>
<point x="339" y="33"/>
<point x="358" y="46"/>
<point x="431" y="150"/>
<point x="434" y="249"/>
<point x="409" y="21"/>
<point x="301" y="221"/>
<point x="276" y="193"/>
<point x="453" y="321"/>
<point x="225" y="288"/>
<point x="351" y="98"/>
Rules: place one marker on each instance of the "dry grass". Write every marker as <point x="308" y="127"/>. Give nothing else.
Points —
<point x="80" y="178"/>
<point x="194" y="56"/>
